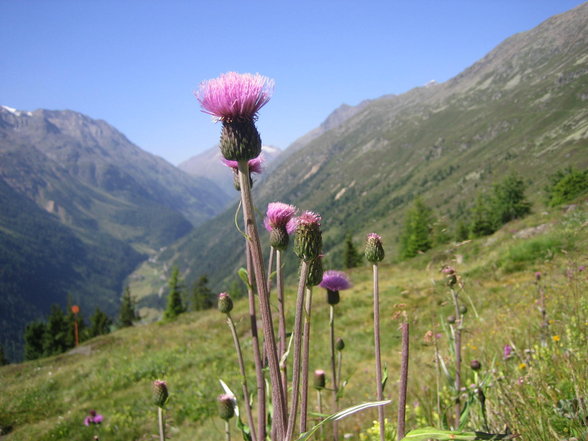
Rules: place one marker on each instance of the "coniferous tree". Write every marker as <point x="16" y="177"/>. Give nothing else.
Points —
<point x="351" y="257"/>
<point x="127" y="313"/>
<point x="482" y="217"/>
<point x="566" y="185"/>
<point x="201" y="294"/>
<point x="33" y="340"/>
<point x="3" y="360"/>
<point x="99" y="323"/>
<point x="509" y="201"/>
<point x="55" y="339"/>
<point x="417" y="232"/>
<point x="175" y="305"/>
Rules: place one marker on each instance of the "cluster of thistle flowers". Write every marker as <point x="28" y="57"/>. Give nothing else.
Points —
<point x="235" y="100"/>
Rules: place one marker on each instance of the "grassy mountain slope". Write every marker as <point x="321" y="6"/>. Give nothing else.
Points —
<point x="48" y="399"/>
<point x="521" y="109"/>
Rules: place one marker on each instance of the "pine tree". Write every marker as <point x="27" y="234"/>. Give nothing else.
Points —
<point x="482" y="217"/>
<point x="55" y="339"/>
<point x="99" y="323"/>
<point x="175" y="305"/>
<point x="3" y="360"/>
<point x="566" y="185"/>
<point x="127" y="313"/>
<point x="351" y="257"/>
<point x="509" y="201"/>
<point x="201" y="294"/>
<point x="33" y="340"/>
<point x="417" y="232"/>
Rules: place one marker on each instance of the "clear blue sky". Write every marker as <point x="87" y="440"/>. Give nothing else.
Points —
<point x="135" y="63"/>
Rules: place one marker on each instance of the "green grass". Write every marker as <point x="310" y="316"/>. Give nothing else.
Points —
<point x="48" y="399"/>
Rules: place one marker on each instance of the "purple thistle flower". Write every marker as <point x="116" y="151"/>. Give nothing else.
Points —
<point x="278" y="215"/>
<point x="93" y="418"/>
<point x="308" y="218"/>
<point x="254" y="164"/>
<point x="507" y="351"/>
<point x="234" y="96"/>
<point x="335" y="281"/>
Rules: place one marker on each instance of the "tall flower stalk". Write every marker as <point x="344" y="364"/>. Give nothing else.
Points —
<point x="315" y="276"/>
<point x="333" y="282"/>
<point x="307" y="246"/>
<point x="452" y="282"/>
<point x="403" y="380"/>
<point x="279" y="222"/>
<point x="225" y="305"/>
<point x="259" y="374"/>
<point x="160" y="396"/>
<point x="374" y="253"/>
<point x="235" y="100"/>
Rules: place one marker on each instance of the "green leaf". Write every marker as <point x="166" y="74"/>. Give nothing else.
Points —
<point x="427" y="433"/>
<point x="340" y="415"/>
<point x="385" y="378"/>
<point x="244" y="275"/>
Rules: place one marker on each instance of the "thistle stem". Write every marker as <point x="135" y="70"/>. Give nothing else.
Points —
<point x="339" y="363"/>
<point x="231" y="324"/>
<point x="305" y="356"/>
<point x="227" y="431"/>
<point x="334" y="369"/>
<point x="297" y="348"/>
<point x="161" y="424"/>
<point x="270" y="265"/>
<point x="403" y="381"/>
<point x="264" y="305"/>
<point x="458" y="326"/>
<point x="320" y="409"/>
<point x="281" y="323"/>
<point x="379" y="387"/>
<point x="259" y="375"/>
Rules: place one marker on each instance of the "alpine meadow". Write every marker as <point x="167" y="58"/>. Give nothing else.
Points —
<point x="412" y="269"/>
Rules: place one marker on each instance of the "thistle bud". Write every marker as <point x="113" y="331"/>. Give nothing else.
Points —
<point x="315" y="272"/>
<point x="160" y="393"/>
<point x="475" y="365"/>
<point x="374" y="251"/>
<point x="279" y="238"/>
<point x="240" y="140"/>
<point x="333" y="297"/>
<point x="226" y="406"/>
<point x="463" y="309"/>
<point x="451" y="319"/>
<point x="339" y="344"/>
<point x="308" y="242"/>
<point x="319" y="379"/>
<point x="225" y="303"/>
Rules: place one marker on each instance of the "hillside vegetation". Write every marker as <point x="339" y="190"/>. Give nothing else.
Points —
<point x="537" y="392"/>
<point x="519" y="110"/>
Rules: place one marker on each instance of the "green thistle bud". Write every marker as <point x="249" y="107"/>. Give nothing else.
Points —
<point x="160" y="393"/>
<point x="225" y="303"/>
<point x="315" y="272"/>
<point x="240" y="140"/>
<point x="475" y="365"/>
<point x="333" y="297"/>
<point x="374" y="251"/>
<point x="226" y="406"/>
<point x="451" y="319"/>
<point x="339" y="344"/>
<point x="319" y="379"/>
<point x="279" y="238"/>
<point x="309" y="242"/>
<point x="463" y="309"/>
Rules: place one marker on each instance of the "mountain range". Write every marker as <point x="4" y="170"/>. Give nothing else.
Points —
<point x="81" y="207"/>
<point x="208" y="165"/>
<point x="522" y="109"/>
<point x="85" y="211"/>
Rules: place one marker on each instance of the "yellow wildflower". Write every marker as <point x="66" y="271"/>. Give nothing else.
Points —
<point x="556" y="338"/>
<point x="523" y="366"/>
